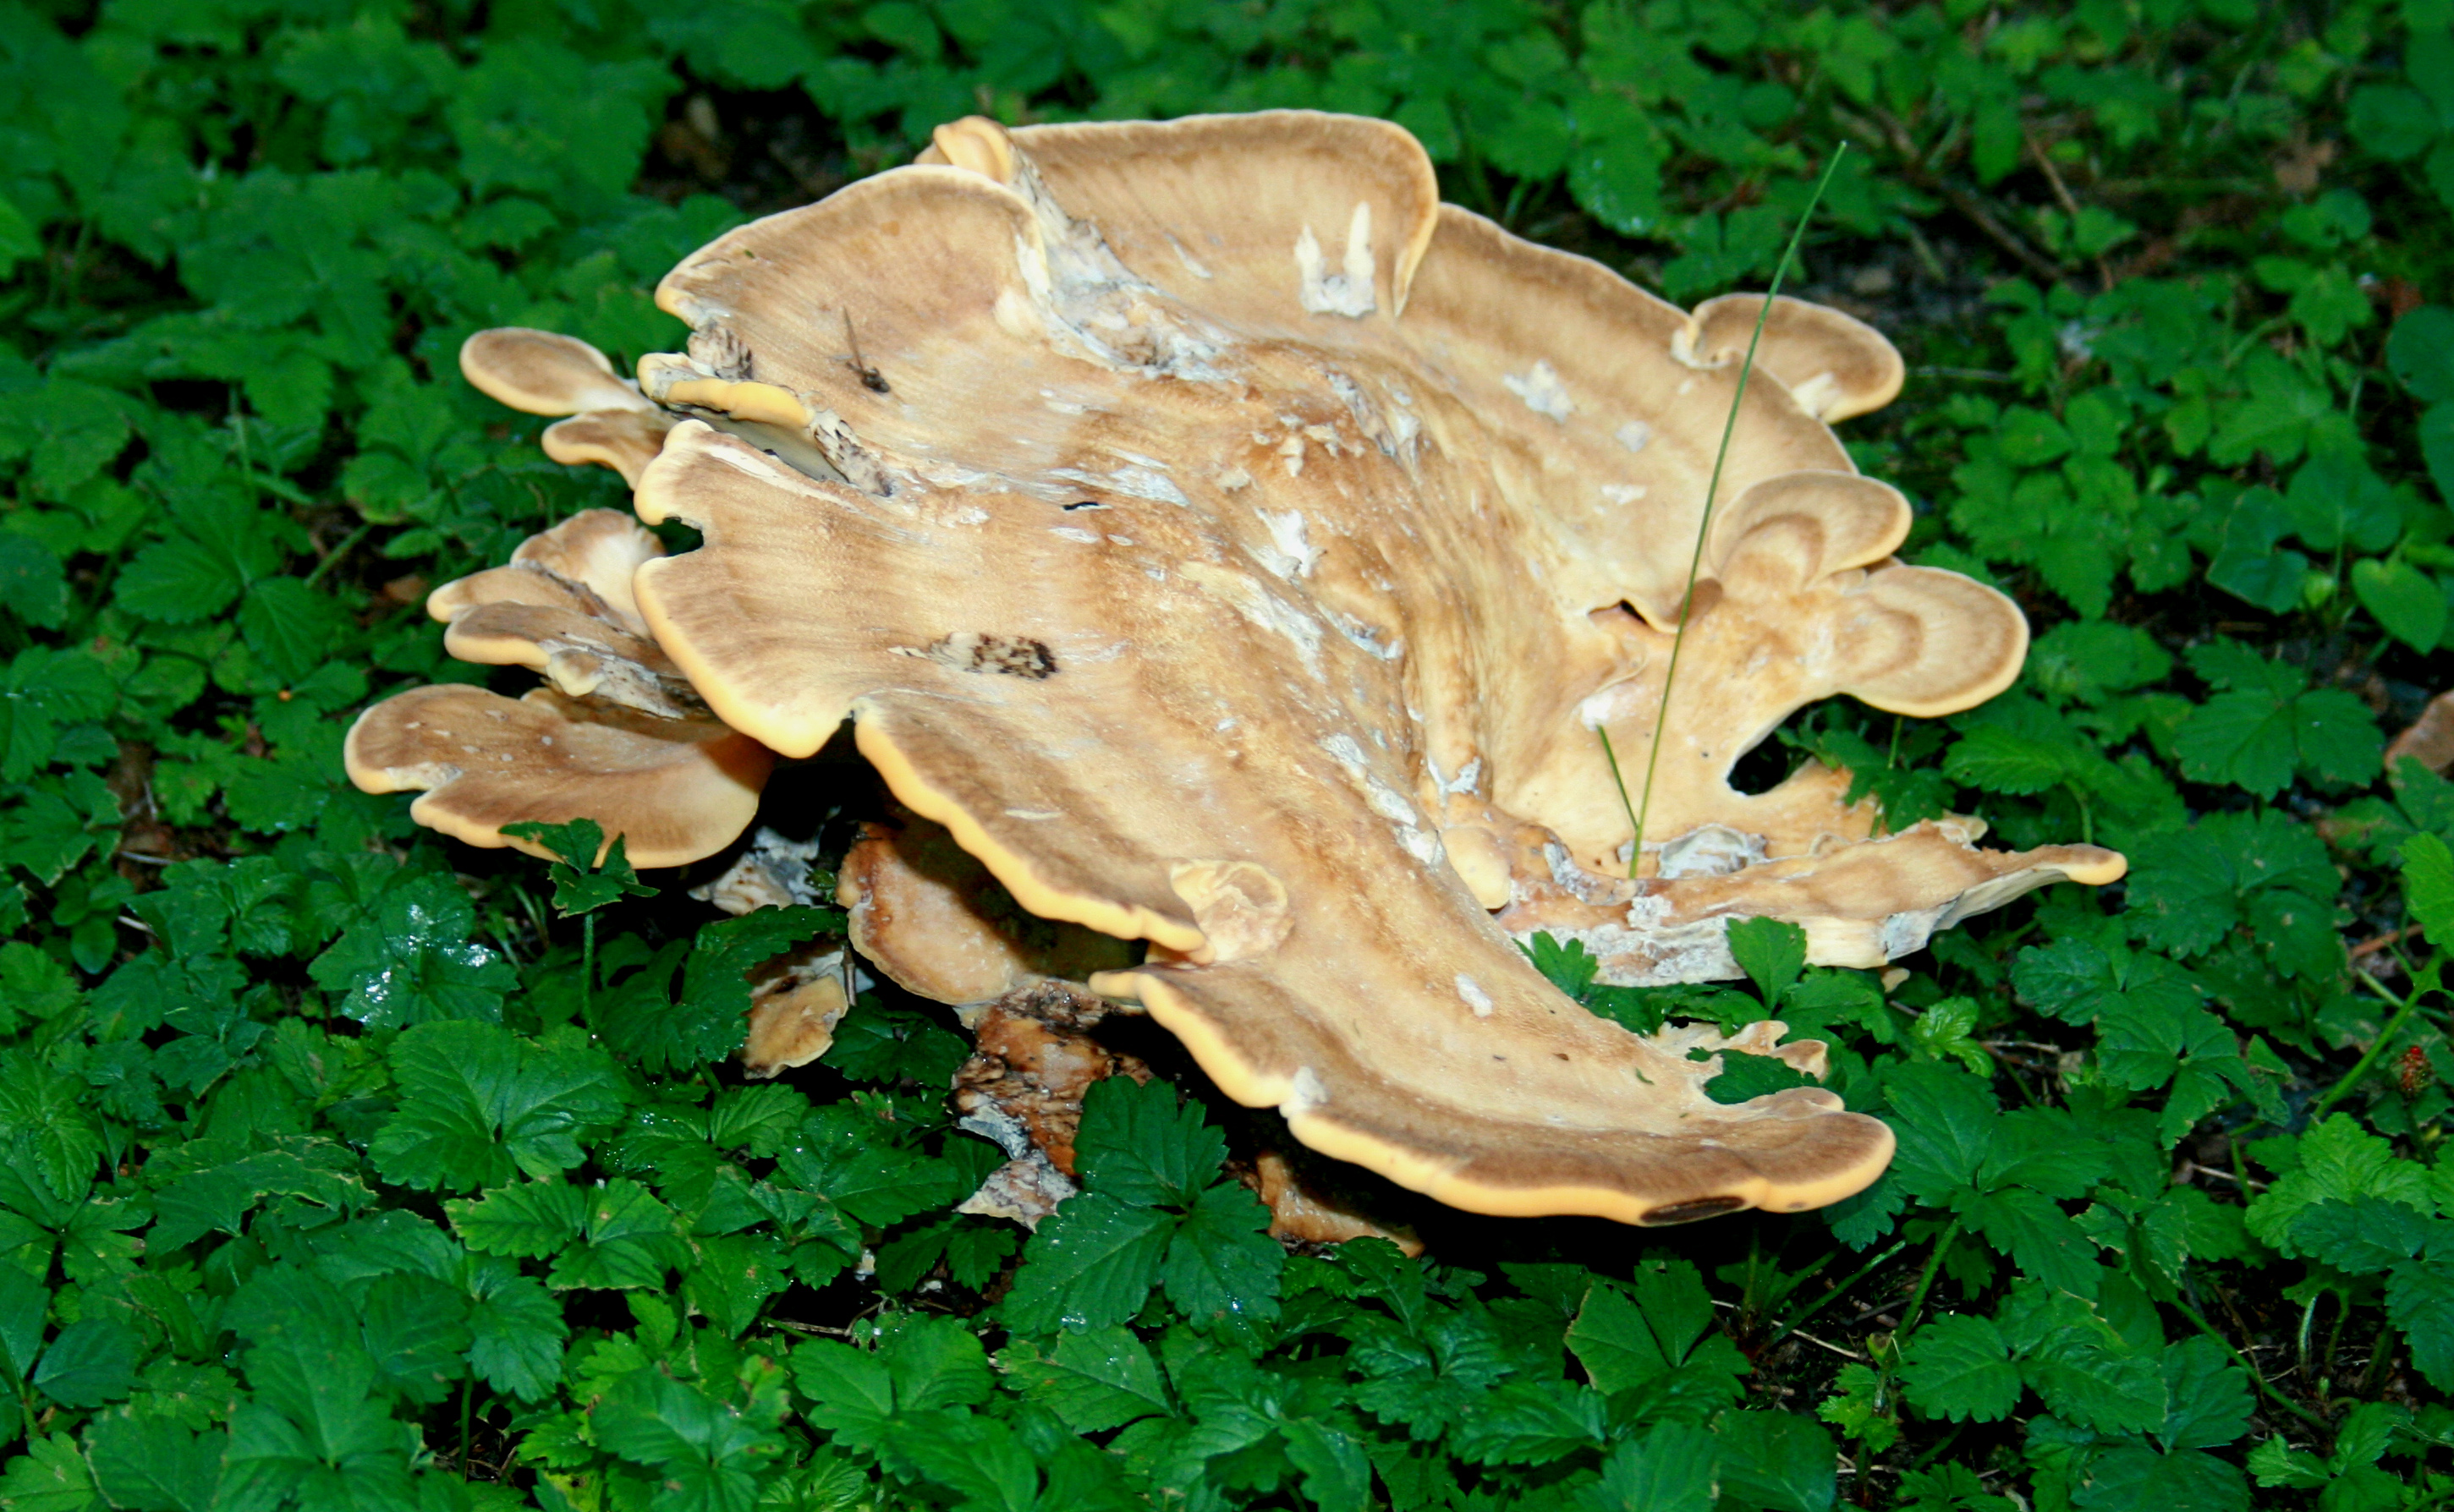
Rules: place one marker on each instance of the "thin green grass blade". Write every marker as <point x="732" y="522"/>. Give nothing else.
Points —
<point x="1704" y="524"/>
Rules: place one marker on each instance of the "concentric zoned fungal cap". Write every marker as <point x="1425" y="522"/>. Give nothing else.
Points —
<point x="564" y="607"/>
<point x="1218" y="536"/>
<point x="675" y="790"/>
<point x="542" y="373"/>
<point x="1835" y="365"/>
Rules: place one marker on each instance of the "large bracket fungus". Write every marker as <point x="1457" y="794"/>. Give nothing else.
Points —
<point x="1237" y="550"/>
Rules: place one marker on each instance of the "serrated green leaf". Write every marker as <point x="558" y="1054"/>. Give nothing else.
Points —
<point x="529" y="1220"/>
<point x="1090" y="1264"/>
<point x="1095" y="1379"/>
<point x="1957" y="1367"/>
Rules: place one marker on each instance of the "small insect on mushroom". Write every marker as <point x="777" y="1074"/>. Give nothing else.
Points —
<point x="1327" y="777"/>
<point x="870" y="377"/>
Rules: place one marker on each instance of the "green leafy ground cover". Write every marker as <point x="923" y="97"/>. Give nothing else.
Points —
<point x="330" y="1181"/>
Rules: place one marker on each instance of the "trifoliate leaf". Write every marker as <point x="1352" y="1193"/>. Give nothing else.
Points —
<point x="414" y="961"/>
<point x="630" y="1241"/>
<point x="1223" y="1259"/>
<point x="1139" y="1147"/>
<point x="479" y="1105"/>
<point x="1771" y="951"/>
<point x="1666" y="1331"/>
<point x="2340" y="1160"/>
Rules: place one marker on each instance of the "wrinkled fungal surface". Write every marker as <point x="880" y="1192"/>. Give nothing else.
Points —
<point x="1238" y="551"/>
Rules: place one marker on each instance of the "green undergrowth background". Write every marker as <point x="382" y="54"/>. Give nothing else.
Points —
<point x="325" y="1185"/>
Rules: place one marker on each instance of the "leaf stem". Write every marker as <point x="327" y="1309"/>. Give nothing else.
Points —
<point x="1712" y="491"/>
<point x="1926" y="1281"/>
<point x="1818" y="1306"/>
<point x="2404" y="1008"/>
<point x="2247" y="1364"/>
<point x="331" y="558"/>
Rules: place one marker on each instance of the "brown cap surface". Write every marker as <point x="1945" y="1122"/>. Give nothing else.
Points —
<point x="926" y="913"/>
<point x="539" y="372"/>
<point x="675" y="790"/>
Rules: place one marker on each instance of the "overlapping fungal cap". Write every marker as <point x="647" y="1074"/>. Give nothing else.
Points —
<point x="618" y="736"/>
<point x="1236" y="549"/>
<point x="539" y="372"/>
<point x="926" y="914"/>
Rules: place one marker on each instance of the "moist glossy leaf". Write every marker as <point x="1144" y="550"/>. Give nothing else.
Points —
<point x="413" y="960"/>
<point x="1095" y="1379"/>
<point x="887" y="1042"/>
<point x="1223" y="1259"/>
<point x="1090" y="1264"/>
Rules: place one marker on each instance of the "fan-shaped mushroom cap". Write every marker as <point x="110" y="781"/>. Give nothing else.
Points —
<point x="928" y="914"/>
<point x="564" y="607"/>
<point x="675" y="790"/>
<point x="795" y="1002"/>
<point x="624" y="440"/>
<point x="1835" y="365"/>
<point x="539" y="372"/>
<point x="1309" y="1214"/>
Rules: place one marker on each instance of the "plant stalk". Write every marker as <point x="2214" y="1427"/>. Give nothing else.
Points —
<point x="1712" y="494"/>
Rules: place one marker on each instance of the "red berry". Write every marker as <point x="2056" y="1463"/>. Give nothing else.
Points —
<point x="2413" y="1072"/>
